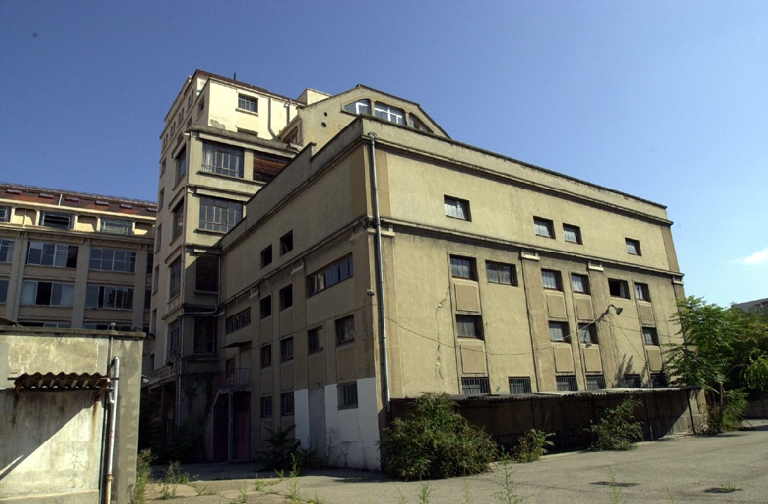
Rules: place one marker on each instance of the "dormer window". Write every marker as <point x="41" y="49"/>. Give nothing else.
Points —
<point x="359" y="107"/>
<point x="390" y="114"/>
<point x="415" y="123"/>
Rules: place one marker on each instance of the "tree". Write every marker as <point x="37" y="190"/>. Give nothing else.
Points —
<point x="723" y="349"/>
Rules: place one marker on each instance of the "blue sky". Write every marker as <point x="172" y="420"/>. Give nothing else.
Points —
<point x="667" y="101"/>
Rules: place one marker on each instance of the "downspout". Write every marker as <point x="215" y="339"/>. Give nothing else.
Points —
<point x="115" y="382"/>
<point x="380" y="275"/>
<point x="269" y="117"/>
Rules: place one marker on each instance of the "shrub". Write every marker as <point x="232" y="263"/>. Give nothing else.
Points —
<point x="617" y="429"/>
<point x="726" y="416"/>
<point x="434" y="441"/>
<point x="532" y="445"/>
<point x="137" y="492"/>
<point x="284" y="452"/>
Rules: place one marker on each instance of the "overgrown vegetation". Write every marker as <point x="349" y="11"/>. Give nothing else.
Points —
<point x="616" y="428"/>
<point x="508" y="491"/>
<point x="723" y="350"/>
<point x="434" y="441"/>
<point x="532" y="445"/>
<point x="284" y="452"/>
<point x="138" y="491"/>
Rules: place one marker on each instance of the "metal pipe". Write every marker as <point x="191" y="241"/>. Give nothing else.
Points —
<point x="115" y="382"/>
<point x="380" y="275"/>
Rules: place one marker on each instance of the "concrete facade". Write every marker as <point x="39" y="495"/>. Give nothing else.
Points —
<point x="480" y="274"/>
<point x="53" y="433"/>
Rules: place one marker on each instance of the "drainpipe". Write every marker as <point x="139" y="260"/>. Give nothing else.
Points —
<point x="115" y="382"/>
<point x="380" y="275"/>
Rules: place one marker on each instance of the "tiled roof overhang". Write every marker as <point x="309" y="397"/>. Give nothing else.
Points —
<point x="61" y="382"/>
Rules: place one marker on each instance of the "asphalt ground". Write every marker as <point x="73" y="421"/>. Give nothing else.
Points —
<point x="730" y="467"/>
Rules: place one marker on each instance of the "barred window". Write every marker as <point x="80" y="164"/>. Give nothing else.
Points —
<point x="520" y="385"/>
<point x="238" y="321"/>
<point x="566" y="384"/>
<point x="475" y="386"/>
<point x="595" y="382"/>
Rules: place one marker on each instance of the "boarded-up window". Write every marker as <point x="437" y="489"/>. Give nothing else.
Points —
<point x="266" y="167"/>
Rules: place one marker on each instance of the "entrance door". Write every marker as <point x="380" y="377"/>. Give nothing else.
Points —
<point x="317" y="421"/>
<point x="220" y="428"/>
<point x="242" y="426"/>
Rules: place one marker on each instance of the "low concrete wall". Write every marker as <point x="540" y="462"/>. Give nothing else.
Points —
<point x="757" y="408"/>
<point x="52" y="441"/>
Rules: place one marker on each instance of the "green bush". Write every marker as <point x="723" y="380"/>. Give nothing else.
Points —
<point x="727" y="416"/>
<point x="617" y="429"/>
<point x="434" y="441"/>
<point x="284" y="452"/>
<point x="137" y="492"/>
<point x="532" y="445"/>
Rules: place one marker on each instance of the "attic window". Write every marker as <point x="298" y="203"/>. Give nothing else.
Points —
<point x="13" y="191"/>
<point x="125" y="205"/>
<point x="359" y="107"/>
<point x="46" y="195"/>
<point x="102" y="202"/>
<point x="415" y="122"/>
<point x="72" y="199"/>
<point x="389" y="113"/>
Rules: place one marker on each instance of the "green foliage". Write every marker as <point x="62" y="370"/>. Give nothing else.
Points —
<point x="184" y="442"/>
<point x="434" y="441"/>
<point x="728" y="415"/>
<point x="532" y="445"/>
<point x="617" y="429"/>
<point x="137" y="493"/>
<point x="508" y="492"/>
<point x="174" y="475"/>
<point x="283" y="452"/>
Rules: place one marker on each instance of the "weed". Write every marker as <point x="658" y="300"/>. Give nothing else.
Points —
<point x="726" y="416"/>
<point x="173" y="474"/>
<point x="532" y="445"/>
<point x="137" y="492"/>
<point x="282" y="449"/>
<point x="242" y="494"/>
<point x="294" y="495"/>
<point x="425" y="491"/>
<point x="202" y="489"/>
<point x="316" y="500"/>
<point x="617" y="429"/>
<point x="616" y="496"/>
<point x="259" y="485"/>
<point x="465" y="492"/>
<point x="670" y="498"/>
<point x="507" y="493"/>
<point x="401" y="498"/>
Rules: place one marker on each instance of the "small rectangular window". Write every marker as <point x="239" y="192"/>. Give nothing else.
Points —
<point x="469" y="326"/>
<point x="330" y="275"/>
<point x="359" y="107"/>
<point x="56" y="220"/>
<point x="572" y="233"/>
<point x="314" y="340"/>
<point x="3" y="290"/>
<point x="641" y="292"/>
<point x="266" y="256"/>
<point x="248" y="103"/>
<point x="551" y="279"/>
<point x="580" y="283"/>
<point x="595" y="382"/>
<point x="457" y="208"/>
<point x="205" y="335"/>
<point x="5" y="214"/>
<point x="6" y="250"/>
<point x="286" y="297"/>
<point x="265" y="307"/>
<point x="178" y="219"/>
<point x="116" y="226"/>
<point x="286" y="349"/>
<point x="345" y="330"/>
<point x="475" y="386"/>
<point x="463" y="267"/>
<point x="618" y="288"/>
<point x="558" y="332"/>
<point x="389" y="113"/>
<point x="174" y="339"/>
<point x="286" y="243"/>
<point x="347" y="395"/>
<point x="658" y="380"/>
<point x="650" y="336"/>
<point x="181" y="165"/>
<point x="265" y="407"/>
<point x="520" y="385"/>
<point x="238" y="321"/>
<point x="500" y="273"/>
<point x="588" y="333"/>
<point x="265" y="356"/>
<point x="174" y="285"/>
<point x="286" y="404"/>
<point x="158" y="237"/>
<point x="543" y="227"/>
<point x="633" y="246"/>
<point x="632" y="381"/>
<point x="566" y="384"/>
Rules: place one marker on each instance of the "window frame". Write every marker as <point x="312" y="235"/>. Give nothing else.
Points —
<point x="464" y="322"/>
<point x="561" y="326"/>
<point x="174" y="278"/>
<point x="566" y="383"/>
<point x="109" y="297"/>
<point x="247" y="103"/>
<point x="204" y="336"/>
<point x="287" y="404"/>
<point x="265" y="407"/>
<point x="456" y="268"/>
<point x="5" y="213"/>
<point x="315" y="340"/>
<point x="330" y="275"/>
<point x="475" y="385"/>
<point x="61" y="255"/>
<point x="555" y="275"/>
<point x="619" y="288"/>
<point x="587" y="333"/>
<point x="222" y="159"/>
<point x="265" y="356"/>
<point x="265" y="307"/>
<point x="493" y="273"/>
<point x="650" y="336"/>
<point x="347" y="397"/>
<point x="177" y="219"/>
<point x="180" y="162"/>
<point x="56" y="220"/>
<point x="285" y="297"/>
<point x="6" y="250"/>
<point x="388" y="112"/>
<point x="4" y="282"/>
<point x="286" y="349"/>
<point x="125" y="264"/>
<point x="523" y="382"/>
<point x="265" y="256"/>
<point x="583" y="288"/>
<point x="571" y="229"/>
<point x="237" y="321"/>
<point x="122" y="227"/>
<point x="219" y="215"/>
<point x="642" y="292"/>
<point x="356" y="106"/>
<point x="345" y="330"/>
<point x="286" y="243"/>
<point x="544" y="227"/>
<point x="457" y="208"/>
<point x="633" y="246"/>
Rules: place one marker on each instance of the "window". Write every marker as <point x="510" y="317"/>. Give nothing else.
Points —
<point x="588" y="333"/>
<point x="161" y="195"/>
<point x="572" y="233"/>
<point x="238" y="321"/>
<point x="388" y="113"/>
<point x="6" y="251"/>
<point x="468" y="326"/>
<point x="345" y="330"/>
<point x="175" y="278"/>
<point x="566" y="384"/>
<point x="286" y="297"/>
<point x="551" y="279"/>
<point x="330" y="275"/>
<point x="595" y="382"/>
<point x="116" y="226"/>
<point x="658" y="380"/>
<point x="500" y="273"/>
<point x="52" y="254"/>
<point x="207" y="272"/>
<point x="416" y="123"/>
<point x="286" y="349"/>
<point x="265" y="407"/>
<point x="558" y="331"/>
<point x="174" y="339"/>
<point x="543" y="227"/>
<point x="580" y="283"/>
<point x="286" y="243"/>
<point x="158" y="237"/>
<point x="359" y="107"/>
<point x="219" y="215"/>
<point x="457" y="208"/>
<point x="286" y="404"/>
<point x="5" y="214"/>
<point x="178" y="219"/>
<point x="641" y="292"/>
<point x="265" y="307"/>
<point x="107" y="259"/>
<point x="56" y="220"/>
<point x="181" y="165"/>
<point x="205" y="335"/>
<point x="150" y="261"/>
<point x="265" y="356"/>
<point x="463" y="267"/>
<point x="520" y="385"/>
<point x="633" y="246"/>
<point x="618" y="288"/>
<point x="475" y="386"/>
<point x="229" y="368"/>
<point x="266" y="256"/>
<point x="109" y="296"/>
<point x="632" y="381"/>
<point x="347" y="395"/>
<point x="248" y="103"/>
<point x="155" y="279"/>
<point x="47" y="293"/>
<point x="314" y="340"/>
<point x="222" y="160"/>
<point x="650" y="336"/>
<point x="3" y="290"/>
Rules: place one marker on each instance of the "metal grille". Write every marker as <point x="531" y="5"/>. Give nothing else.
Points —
<point x="658" y="380"/>
<point x="520" y="385"/>
<point x="595" y="382"/>
<point x="566" y="384"/>
<point x="632" y="381"/>
<point x="475" y="386"/>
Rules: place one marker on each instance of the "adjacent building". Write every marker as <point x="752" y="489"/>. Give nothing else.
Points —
<point x="316" y="258"/>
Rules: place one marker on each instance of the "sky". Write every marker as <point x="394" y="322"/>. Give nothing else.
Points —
<point x="667" y="101"/>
